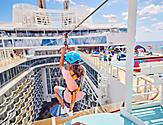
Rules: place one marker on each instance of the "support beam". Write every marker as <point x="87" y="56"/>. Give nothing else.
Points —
<point x="162" y="95"/>
<point x="132" y="10"/>
<point x="4" y="48"/>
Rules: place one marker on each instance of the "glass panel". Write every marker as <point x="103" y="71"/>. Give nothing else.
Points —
<point x="1" y="45"/>
<point x="1" y="79"/>
<point x="49" y="86"/>
<point x="8" y="43"/>
<point x="5" y="76"/>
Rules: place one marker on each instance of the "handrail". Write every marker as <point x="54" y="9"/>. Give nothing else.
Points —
<point x="150" y="57"/>
<point x="10" y="60"/>
<point x="118" y="68"/>
<point x="154" y="97"/>
<point x="93" y="78"/>
<point x="145" y="93"/>
<point x="143" y="102"/>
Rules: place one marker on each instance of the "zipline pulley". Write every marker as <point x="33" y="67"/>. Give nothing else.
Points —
<point x="65" y="40"/>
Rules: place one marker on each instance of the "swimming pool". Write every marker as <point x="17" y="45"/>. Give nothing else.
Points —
<point x="103" y="119"/>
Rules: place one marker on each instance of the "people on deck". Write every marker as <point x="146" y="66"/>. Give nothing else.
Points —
<point x="100" y="55"/>
<point x="105" y="57"/>
<point x="109" y="59"/>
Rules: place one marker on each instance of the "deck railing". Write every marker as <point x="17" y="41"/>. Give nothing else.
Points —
<point x="9" y="60"/>
<point x="142" y="85"/>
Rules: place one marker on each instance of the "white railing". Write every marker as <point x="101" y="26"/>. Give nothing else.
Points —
<point x="10" y="60"/>
<point x="151" y="68"/>
<point x="143" y="87"/>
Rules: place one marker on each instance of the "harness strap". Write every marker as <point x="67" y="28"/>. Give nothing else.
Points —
<point x="65" y="40"/>
<point x="73" y="93"/>
<point x="74" y="76"/>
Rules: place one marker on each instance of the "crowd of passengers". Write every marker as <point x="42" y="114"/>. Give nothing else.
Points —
<point x="104" y="55"/>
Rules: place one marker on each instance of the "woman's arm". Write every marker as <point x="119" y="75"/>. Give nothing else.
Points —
<point x="63" y="52"/>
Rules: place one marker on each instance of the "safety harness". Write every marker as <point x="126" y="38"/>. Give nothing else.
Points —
<point x="73" y="93"/>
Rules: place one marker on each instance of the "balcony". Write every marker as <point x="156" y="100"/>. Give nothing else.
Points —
<point x="9" y="61"/>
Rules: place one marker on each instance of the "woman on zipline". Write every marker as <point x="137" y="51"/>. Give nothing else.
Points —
<point x="73" y="74"/>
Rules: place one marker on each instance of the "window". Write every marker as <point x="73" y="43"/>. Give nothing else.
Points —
<point x="1" y="79"/>
<point x="1" y="45"/>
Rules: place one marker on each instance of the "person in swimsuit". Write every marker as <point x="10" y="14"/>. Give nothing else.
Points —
<point x="73" y="75"/>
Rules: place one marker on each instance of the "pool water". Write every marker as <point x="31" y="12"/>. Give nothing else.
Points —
<point x="103" y="119"/>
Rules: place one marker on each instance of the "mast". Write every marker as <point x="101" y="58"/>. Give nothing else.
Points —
<point x="66" y="4"/>
<point x="41" y="4"/>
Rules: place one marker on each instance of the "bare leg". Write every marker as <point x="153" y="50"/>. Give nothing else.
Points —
<point x="56" y="90"/>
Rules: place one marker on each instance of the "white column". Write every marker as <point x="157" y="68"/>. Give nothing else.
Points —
<point x="44" y="81"/>
<point x="13" y="42"/>
<point x="53" y="121"/>
<point x="5" y="56"/>
<point x="132" y="9"/>
<point x="162" y="95"/>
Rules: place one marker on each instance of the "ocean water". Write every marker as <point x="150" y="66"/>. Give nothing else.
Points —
<point x="156" y="46"/>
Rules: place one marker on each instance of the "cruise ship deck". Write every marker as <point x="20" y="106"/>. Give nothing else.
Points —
<point x="122" y="86"/>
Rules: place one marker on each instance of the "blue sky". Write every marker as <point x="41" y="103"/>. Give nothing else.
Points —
<point x="149" y="22"/>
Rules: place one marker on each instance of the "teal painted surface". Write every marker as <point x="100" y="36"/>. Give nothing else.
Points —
<point x="151" y="115"/>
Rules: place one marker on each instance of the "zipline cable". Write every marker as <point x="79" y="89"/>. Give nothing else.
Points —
<point x="88" y="16"/>
<point x="66" y="34"/>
